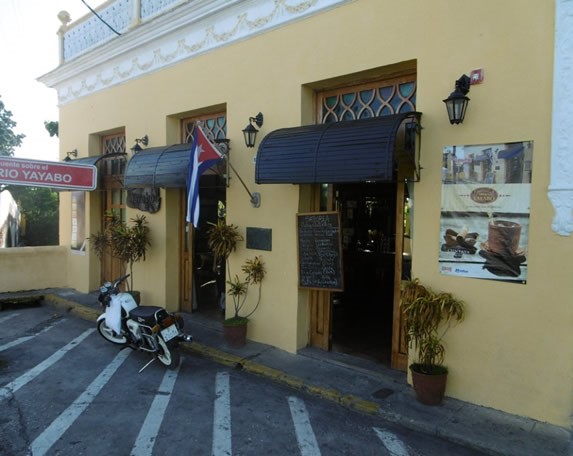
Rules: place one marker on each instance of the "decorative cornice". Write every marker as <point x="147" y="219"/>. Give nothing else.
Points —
<point x="561" y="183"/>
<point x="182" y="33"/>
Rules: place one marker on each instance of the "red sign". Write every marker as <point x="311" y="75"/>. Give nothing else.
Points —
<point x="34" y="173"/>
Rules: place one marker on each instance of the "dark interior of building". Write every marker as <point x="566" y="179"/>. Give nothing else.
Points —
<point x="362" y="313"/>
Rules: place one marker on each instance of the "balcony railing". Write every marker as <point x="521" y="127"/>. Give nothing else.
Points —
<point x="90" y="31"/>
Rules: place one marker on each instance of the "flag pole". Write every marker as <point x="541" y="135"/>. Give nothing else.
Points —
<point x="255" y="196"/>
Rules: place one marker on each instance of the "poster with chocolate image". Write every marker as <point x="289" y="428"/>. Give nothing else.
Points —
<point x="485" y="208"/>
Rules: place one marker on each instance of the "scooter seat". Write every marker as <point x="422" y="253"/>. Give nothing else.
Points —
<point x="145" y="314"/>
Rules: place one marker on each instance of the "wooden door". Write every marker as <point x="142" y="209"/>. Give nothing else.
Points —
<point x="376" y="98"/>
<point x="321" y="300"/>
<point x="186" y="260"/>
<point x="215" y="125"/>
<point x="399" y="357"/>
<point x="320" y="319"/>
<point x="114" y="196"/>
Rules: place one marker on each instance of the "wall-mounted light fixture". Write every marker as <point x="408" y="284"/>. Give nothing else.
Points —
<point x="457" y="102"/>
<point x="250" y="132"/>
<point x="136" y="148"/>
<point x="70" y="154"/>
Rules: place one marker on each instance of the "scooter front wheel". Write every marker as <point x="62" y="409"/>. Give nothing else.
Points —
<point x="169" y="358"/>
<point x="109" y="334"/>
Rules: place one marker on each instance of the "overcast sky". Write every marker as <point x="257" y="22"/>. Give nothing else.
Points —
<point x="28" y="50"/>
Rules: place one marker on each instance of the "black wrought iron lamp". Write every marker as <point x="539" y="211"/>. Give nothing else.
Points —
<point x="70" y="154"/>
<point x="136" y="148"/>
<point x="250" y="132"/>
<point x="457" y="102"/>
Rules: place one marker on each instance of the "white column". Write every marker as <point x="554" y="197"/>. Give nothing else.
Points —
<point x="65" y="19"/>
<point x="135" y="13"/>
<point x="561" y="181"/>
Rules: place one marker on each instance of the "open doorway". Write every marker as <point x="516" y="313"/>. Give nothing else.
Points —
<point x="201" y="284"/>
<point x="209" y="278"/>
<point x="362" y="315"/>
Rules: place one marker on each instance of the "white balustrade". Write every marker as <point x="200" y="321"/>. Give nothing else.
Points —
<point x="115" y="18"/>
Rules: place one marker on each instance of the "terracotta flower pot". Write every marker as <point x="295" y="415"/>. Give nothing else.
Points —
<point x="235" y="335"/>
<point x="429" y="388"/>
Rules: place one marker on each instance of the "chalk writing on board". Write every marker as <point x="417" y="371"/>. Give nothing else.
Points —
<point x="319" y="251"/>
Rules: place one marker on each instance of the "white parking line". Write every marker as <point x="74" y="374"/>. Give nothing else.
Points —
<point x="56" y="429"/>
<point x="7" y="317"/>
<point x="10" y="388"/>
<point x="222" y="416"/>
<point x="21" y="340"/>
<point x="304" y="434"/>
<point x="150" y="428"/>
<point x="392" y="443"/>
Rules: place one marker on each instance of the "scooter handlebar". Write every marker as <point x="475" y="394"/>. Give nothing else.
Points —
<point x="121" y="279"/>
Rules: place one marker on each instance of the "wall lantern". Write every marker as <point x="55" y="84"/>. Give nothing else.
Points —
<point x="136" y="148"/>
<point x="70" y="154"/>
<point x="250" y="132"/>
<point x="457" y="102"/>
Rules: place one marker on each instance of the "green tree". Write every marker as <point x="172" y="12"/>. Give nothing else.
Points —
<point x="53" y="128"/>
<point x="38" y="205"/>
<point x="40" y="208"/>
<point x="8" y="139"/>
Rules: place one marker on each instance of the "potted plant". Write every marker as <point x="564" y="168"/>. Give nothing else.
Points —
<point x="100" y="242"/>
<point x="129" y="243"/>
<point x="222" y="240"/>
<point x="429" y="315"/>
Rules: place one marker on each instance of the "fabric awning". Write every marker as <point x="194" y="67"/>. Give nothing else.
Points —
<point x="380" y="149"/>
<point x="166" y="166"/>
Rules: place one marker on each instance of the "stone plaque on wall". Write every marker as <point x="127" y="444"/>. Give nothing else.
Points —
<point x="145" y="199"/>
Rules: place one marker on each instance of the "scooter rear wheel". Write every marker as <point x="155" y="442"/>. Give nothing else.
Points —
<point x="110" y="335"/>
<point x="169" y="358"/>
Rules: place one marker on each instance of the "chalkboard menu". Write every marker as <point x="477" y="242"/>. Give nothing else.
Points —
<point x="319" y="251"/>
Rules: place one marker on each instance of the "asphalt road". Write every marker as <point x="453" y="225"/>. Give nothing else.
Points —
<point x="64" y="391"/>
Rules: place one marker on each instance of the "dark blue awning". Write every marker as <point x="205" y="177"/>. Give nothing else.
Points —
<point x="95" y="159"/>
<point x="166" y="166"/>
<point x="98" y="161"/>
<point x="380" y="149"/>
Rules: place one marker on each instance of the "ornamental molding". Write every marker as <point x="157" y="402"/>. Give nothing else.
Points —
<point x="182" y="33"/>
<point x="561" y="183"/>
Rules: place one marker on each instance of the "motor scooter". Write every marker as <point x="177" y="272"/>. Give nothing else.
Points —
<point x="150" y="329"/>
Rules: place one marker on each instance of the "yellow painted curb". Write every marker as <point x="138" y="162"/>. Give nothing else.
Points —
<point x="278" y="376"/>
<point x="80" y="311"/>
<point x="228" y="359"/>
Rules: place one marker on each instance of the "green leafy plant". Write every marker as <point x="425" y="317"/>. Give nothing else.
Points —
<point x="254" y="270"/>
<point x="222" y="240"/>
<point x="427" y="312"/>
<point x="100" y="242"/>
<point x="129" y="243"/>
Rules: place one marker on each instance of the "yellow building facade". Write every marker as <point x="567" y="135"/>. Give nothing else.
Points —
<point x="316" y="62"/>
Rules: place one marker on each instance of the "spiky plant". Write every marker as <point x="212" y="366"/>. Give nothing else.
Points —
<point x="129" y="243"/>
<point x="222" y="240"/>
<point x="426" y="313"/>
<point x="254" y="270"/>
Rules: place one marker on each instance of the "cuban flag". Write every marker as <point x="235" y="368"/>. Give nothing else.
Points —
<point x="203" y="155"/>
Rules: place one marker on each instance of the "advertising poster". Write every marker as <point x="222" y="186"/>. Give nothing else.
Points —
<point x="485" y="208"/>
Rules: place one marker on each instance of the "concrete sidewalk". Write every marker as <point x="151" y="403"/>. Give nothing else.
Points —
<point x="353" y="383"/>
